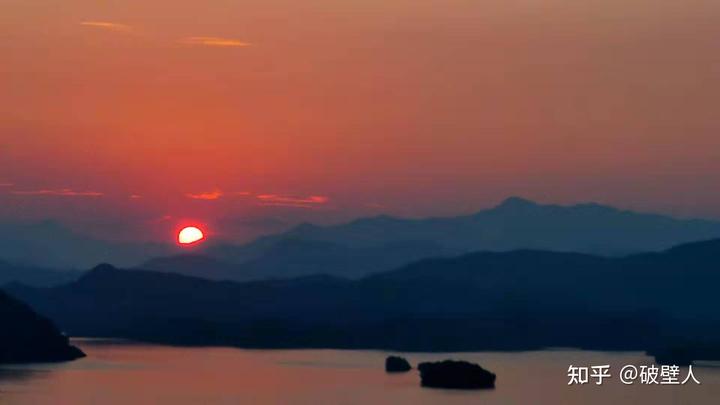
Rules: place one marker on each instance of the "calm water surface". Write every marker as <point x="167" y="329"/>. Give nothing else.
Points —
<point x="130" y="373"/>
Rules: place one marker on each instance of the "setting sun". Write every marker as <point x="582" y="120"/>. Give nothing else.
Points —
<point x="190" y="235"/>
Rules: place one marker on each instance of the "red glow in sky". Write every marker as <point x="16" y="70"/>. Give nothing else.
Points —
<point x="121" y="117"/>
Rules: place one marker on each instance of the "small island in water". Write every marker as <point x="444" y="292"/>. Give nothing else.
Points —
<point x="455" y="375"/>
<point x="396" y="364"/>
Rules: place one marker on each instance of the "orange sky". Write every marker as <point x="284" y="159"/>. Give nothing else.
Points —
<point x="325" y="110"/>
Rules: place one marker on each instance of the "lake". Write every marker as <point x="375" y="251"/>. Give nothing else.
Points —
<point x="117" y="372"/>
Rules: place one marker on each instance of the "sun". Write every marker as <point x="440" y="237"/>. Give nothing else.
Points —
<point x="190" y="235"/>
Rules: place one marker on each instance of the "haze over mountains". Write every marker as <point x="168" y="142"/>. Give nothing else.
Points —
<point x="363" y="246"/>
<point x="295" y="257"/>
<point x="377" y="244"/>
<point x="488" y="300"/>
<point x="35" y="276"/>
<point x="518" y="223"/>
<point x="51" y="245"/>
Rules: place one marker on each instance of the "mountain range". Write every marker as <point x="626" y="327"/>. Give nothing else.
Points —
<point x="358" y="248"/>
<point x="371" y="245"/>
<point x="513" y="300"/>
<point x="295" y="257"/>
<point x="519" y="223"/>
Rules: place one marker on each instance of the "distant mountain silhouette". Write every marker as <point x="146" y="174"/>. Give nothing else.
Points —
<point x="27" y="337"/>
<point x="518" y="223"/>
<point x="35" y="276"/>
<point x="488" y="300"/>
<point x="367" y="245"/>
<point x="51" y="245"/>
<point x="371" y="245"/>
<point x="289" y="258"/>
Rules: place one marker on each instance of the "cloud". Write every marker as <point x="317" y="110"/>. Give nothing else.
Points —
<point x="208" y="195"/>
<point x="214" y="42"/>
<point x="135" y="196"/>
<point x="163" y="218"/>
<point x="292" y="201"/>
<point x="106" y="25"/>
<point x="62" y="192"/>
<point x="6" y="184"/>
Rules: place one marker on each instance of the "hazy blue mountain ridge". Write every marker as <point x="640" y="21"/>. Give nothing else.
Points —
<point x="484" y="300"/>
<point x="370" y="245"/>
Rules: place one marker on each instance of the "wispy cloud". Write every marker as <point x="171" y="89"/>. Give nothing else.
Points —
<point x="163" y="218"/>
<point x="62" y="192"/>
<point x="214" y="42"/>
<point x="207" y="195"/>
<point x="135" y="196"/>
<point x="292" y="201"/>
<point x="6" y="184"/>
<point x="107" y="25"/>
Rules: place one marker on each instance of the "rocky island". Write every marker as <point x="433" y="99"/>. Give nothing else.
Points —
<point x="455" y="374"/>
<point x="396" y="364"/>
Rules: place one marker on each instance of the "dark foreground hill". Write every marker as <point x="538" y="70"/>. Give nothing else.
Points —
<point x="480" y="301"/>
<point x="28" y="337"/>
